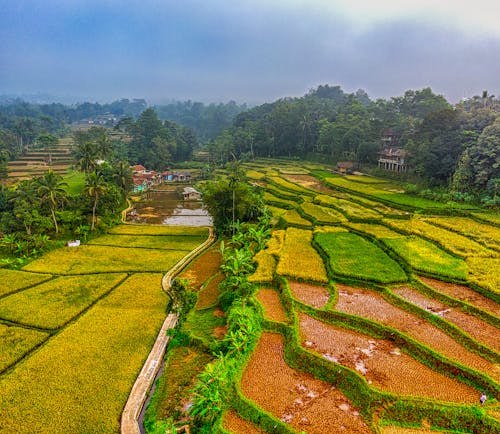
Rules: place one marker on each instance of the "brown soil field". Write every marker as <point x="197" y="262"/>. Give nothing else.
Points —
<point x="481" y="331"/>
<point x="311" y="182"/>
<point x="271" y="303"/>
<point x="400" y="430"/>
<point x="234" y="423"/>
<point x="463" y="293"/>
<point x="316" y="296"/>
<point x="307" y="404"/>
<point x="203" y="267"/>
<point x="207" y="297"/>
<point x="371" y="305"/>
<point x="384" y="366"/>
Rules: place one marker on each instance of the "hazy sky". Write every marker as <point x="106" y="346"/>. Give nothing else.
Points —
<point x="247" y="50"/>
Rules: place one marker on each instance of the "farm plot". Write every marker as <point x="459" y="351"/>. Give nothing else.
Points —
<point x="489" y="217"/>
<point x="353" y="256"/>
<point x="311" y="183"/>
<point x="103" y="259"/>
<point x="208" y="295"/>
<point x="279" y="202"/>
<point x="273" y="309"/>
<point x="323" y="214"/>
<point x="313" y="295"/>
<point x="351" y="209"/>
<point x="484" y="272"/>
<point x="371" y="305"/>
<point x="97" y="358"/>
<point x="290" y="186"/>
<point x="15" y="342"/>
<point x="291" y="217"/>
<point x="14" y="280"/>
<point x="463" y="293"/>
<point x="299" y="399"/>
<point x="234" y="423"/>
<point x="202" y="268"/>
<point x="457" y="244"/>
<point x="131" y="229"/>
<point x="266" y="266"/>
<point x="166" y="242"/>
<point x="52" y="304"/>
<point x="384" y="366"/>
<point x="298" y="259"/>
<point x="422" y="255"/>
<point x="480" y="232"/>
<point x="480" y="330"/>
<point x="375" y="230"/>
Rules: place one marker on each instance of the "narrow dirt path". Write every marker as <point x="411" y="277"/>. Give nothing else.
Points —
<point x="141" y="387"/>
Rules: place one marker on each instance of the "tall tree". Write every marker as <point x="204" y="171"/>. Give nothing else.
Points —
<point x="95" y="187"/>
<point x="51" y="191"/>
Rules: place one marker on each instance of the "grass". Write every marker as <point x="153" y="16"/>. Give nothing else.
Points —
<point x="15" y="342"/>
<point x="391" y="193"/>
<point x="96" y="359"/>
<point x="202" y="323"/>
<point x="425" y="256"/>
<point x="353" y="256"/>
<point x="75" y="181"/>
<point x="162" y="242"/>
<point x="298" y="259"/>
<point x="103" y="259"/>
<point x="13" y="280"/>
<point x="182" y="365"/>
<point x="52" y="304"/>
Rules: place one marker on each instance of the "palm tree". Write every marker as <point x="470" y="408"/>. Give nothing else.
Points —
<point x="95" y="187"/>
<point x="87" y="156"/>
<point x="123" y="176"/>
<point x="51" y="191"/>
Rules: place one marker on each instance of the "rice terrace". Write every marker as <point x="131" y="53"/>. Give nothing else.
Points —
<point x="364" y="310"/>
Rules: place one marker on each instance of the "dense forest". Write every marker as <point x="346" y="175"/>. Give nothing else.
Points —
<point x="453" y="150"/>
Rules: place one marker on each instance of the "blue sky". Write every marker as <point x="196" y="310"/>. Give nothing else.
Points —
<point x="248" y="51"/>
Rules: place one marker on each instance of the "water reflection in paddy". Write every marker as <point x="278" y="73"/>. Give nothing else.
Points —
<point x="166" y="207"/>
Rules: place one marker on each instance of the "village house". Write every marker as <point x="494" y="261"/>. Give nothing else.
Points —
<point x="393" y="159"/>
<point x="189" y="193"/>
<point x="345" y="167"/>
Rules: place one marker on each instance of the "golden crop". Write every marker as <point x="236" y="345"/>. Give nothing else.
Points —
<point x="352" y="209"/>
<point x="130" y="229"/>
<point x="167" y="242"/>
<point x="15" y="342"/>
<point x="12" y="280"/>
<point x="298" y="259"/>
<point x="323" y="213"/>
<point x="52" y="304"/>
<point x="81" y="378"/>
<point x="101" y="259"/>
<point x="266" y="265"/>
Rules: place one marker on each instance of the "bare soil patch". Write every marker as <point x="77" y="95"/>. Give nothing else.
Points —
<point x="371" y="305"/>
<point x="297" y="398"/>
<point x="316" y="296"/>
<point x="383" y="365"/>
<point x="202" y="268"/>
<point x="208" y="296"/>
<point x="271" y="303"/>
<point x="480" y="330"/>
<point x="311" y="182"/>
<point x="463" y="293"/>
<point x="234" y="423"/>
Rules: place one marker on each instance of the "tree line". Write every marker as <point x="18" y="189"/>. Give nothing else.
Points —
<point x="452" y="148"/>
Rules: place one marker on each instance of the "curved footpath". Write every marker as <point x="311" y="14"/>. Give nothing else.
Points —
<point x="139" y="392"/>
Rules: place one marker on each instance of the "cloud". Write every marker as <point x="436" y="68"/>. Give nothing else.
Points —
<point x="250" y="51"/>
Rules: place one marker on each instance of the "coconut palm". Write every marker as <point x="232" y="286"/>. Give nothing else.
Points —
<point x="51" y="190"/>
<point x="95" y="187"/>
